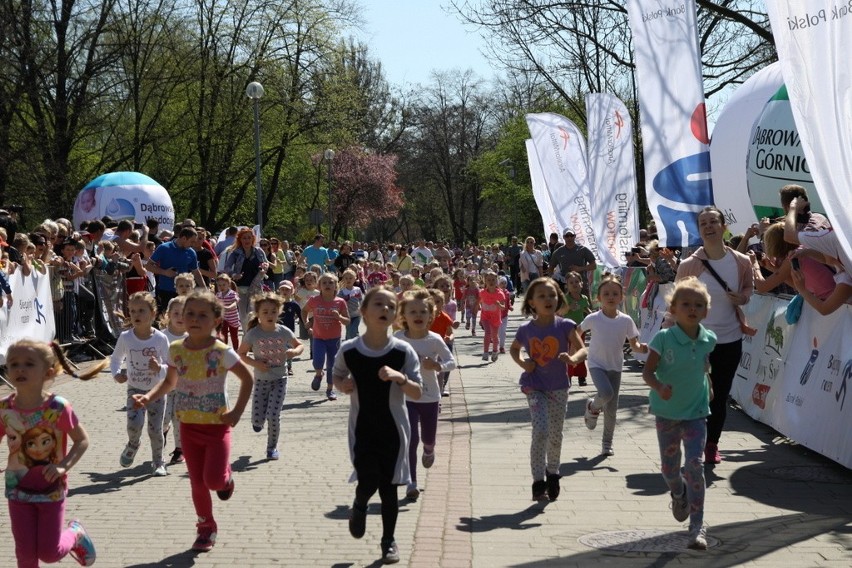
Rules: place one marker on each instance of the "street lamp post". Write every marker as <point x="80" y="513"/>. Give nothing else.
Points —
<point x="254" y="91"/>
<point x="510" y="169"/>
<point x="329" y="158"/>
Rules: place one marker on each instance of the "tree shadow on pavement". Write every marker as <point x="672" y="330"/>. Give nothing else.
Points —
<point x="112" y="481"/>
<point x="179" y="560"/>
<point x="514" y="521"/>
<point x="740" y="543"/>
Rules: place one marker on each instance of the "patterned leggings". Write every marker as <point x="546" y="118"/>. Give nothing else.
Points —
<point x="136" y="420"/>
<point x="547" y="412"/>
<point x="693" y="434"/>
<point x="266" y="406"/>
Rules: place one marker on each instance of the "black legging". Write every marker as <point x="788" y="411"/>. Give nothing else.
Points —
<point x="724" y="360"/>
<point x="367" y="486"/>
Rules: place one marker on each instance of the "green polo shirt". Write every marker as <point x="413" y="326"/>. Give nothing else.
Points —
<point x="682" y="365"/>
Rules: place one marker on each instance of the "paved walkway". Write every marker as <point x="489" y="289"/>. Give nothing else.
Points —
<point x="769" y="503"/>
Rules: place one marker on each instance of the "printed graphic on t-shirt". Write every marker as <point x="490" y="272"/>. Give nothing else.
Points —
<point x="36" y="440"/>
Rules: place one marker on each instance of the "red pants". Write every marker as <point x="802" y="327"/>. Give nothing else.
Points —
<point x="207" y="449"/>
<point x="227" y="329"/>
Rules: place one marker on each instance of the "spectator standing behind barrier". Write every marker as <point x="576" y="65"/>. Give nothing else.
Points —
<point x="170" y="259"/>
<point x="316" y="253"/>
<point x="246" y="265"/>
<point x="513" y="254"/>
<point x="727" y="274"/>
<point x="572" y="257"/>
<point x="531" y="263"/>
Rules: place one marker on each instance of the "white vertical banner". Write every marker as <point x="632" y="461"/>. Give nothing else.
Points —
<point x="561" y="150"/>
<point x="31" y="314"/>
<point x="540" y="193"/>
<point x="730" y="146"/>
<point x="813" y="40"/>
<point x="674" y="123"/>
<point x="612" y="175"/>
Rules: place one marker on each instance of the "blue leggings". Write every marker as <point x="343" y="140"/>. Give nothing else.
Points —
<point x="325" y="350"/>
<point x="693" y="435"/>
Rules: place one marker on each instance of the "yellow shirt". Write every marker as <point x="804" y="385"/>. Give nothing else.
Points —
<point x="201" y="394"/>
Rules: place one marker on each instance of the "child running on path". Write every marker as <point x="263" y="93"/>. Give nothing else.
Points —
<point x="174" y="330"/>
<point x="680" y="396"/>
<point x="229" y="299"/>
<point x="353" y="296"/>
<point x="139" y="360"/>
<point x="329" y="312"/>
<point x="379" y="372"/>
<point x="491" y="302"/>
<point x="198" y="367"/>
<point x="290" y="313"/>
<point x="37" y="425"/>
<point x="609" y="328"/>
<point x="272" y="345"/>
<point x="471" y="303"/>
<point x="547" y="340"/>
<point x="579" y="306"/>
<point x="416" y="314"/>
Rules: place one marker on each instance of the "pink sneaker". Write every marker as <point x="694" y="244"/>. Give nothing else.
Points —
<point x="711" y="453"/>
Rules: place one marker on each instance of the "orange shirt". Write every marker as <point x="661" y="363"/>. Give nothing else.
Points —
<point x="442" y="325"/>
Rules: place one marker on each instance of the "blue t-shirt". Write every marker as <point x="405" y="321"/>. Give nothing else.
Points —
<point x="316" y="255"/>
<point x="544" y="344"/>
<point x="683" y="364"/>
<point x="169" y="256"/>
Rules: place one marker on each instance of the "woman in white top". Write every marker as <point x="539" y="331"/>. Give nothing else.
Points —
<point x="531" y="262"/>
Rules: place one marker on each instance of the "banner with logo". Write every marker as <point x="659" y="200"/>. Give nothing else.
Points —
<point x="674" y="124"/>
<point x="732" y="135"/>
<point x="561" y="151"/>
<point x="812" y="40"/>
<point x="612" y="187"/>
<point x="797" y="378"/>
<point x="540" y="193"/>
<point x="31" y="313"/>
<point x="125" y="195"/>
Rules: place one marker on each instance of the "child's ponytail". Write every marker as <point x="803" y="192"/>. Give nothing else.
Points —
<point x="61" y="360"/>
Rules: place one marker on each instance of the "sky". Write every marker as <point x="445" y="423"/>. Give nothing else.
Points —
<point x="414" y="37"/>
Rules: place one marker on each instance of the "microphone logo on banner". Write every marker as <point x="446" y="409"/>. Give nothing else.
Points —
<point x="840" y="395"/>
<point x="566" y="137"/>
<point x="809" y="366"/>
<point x="687" y="186"/>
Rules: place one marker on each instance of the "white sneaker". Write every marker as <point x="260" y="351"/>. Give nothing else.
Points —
<point x="160" y="470"/>
<point x="485" y="356"/>
<point x="680" y="504"/>
<point x="591" y="416"/>
<point x="412" y="493"/>
<point x="493" y="355"/>
<point x="697" y="539"/>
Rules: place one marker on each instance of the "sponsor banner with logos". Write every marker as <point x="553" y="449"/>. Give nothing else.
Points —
<point x="674" y="123"/>
<point x="540" y="193"/>
<point x="125" y="195"/>
<point x="796" y="378"/>
<point x="732" y="136"/>
<point x="31" y="313"/>
<point x="561" y="150"/>
<point x="612" y="186"/>
<point x="812" y="39"/>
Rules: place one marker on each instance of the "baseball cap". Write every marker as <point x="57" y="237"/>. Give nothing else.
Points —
<point x="568" y="232"/>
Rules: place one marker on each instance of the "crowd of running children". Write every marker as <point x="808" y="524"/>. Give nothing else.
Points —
<point x="175" y="371"/>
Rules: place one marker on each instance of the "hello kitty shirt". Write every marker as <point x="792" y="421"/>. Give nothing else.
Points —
<point x="135" y="354"/>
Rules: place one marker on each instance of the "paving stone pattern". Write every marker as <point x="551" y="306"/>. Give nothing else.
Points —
<point x="770" y="502"/>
